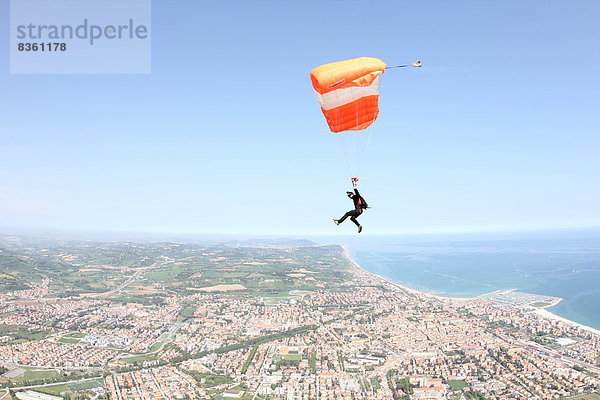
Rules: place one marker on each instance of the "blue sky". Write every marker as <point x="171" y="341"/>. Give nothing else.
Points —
<point x="499" y="130"/>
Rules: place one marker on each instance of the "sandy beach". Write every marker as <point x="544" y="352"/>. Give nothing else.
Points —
<point x="548" y="315"/>
<point x="543" y="313"/>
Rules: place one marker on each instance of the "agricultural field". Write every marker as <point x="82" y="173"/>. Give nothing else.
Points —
<point x="93" y="269"/>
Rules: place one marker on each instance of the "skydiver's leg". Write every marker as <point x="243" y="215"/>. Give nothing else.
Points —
<point x="353" y="219"/>
<point x="348" y="214"/>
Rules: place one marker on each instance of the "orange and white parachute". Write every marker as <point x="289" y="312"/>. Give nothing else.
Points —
<point x="348" y="92"/>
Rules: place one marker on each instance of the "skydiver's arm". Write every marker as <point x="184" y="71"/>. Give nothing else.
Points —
<point x="356" y="192"/>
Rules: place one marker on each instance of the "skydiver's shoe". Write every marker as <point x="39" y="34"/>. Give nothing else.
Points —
<point x="336" y="221"/>
<point x="359" y="228"/>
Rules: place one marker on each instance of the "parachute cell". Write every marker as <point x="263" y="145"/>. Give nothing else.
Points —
<point x="348" y="92"/>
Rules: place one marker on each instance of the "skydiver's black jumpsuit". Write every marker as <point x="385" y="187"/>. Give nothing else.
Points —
<point x="359" y="206"/>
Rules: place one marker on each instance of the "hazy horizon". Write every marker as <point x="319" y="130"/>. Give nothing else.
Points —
<point x="74" y="235"/>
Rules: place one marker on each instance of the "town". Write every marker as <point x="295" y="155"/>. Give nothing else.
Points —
<point x="294" y="321"/>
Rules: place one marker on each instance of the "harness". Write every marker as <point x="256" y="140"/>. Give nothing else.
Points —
<point x="359" y="205"/>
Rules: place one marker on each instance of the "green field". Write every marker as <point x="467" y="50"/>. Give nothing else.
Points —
<point x="163" y="275"/>
<point x="54" y="390"/>
<point x="40" y="374"/>
<point x="457" y="385"/>
<point x="375" y="383"/>
<point x="273" y="293"/>
<point x="86" y="385"/>
<point x="22" y="333"/>
<point x="155" y="346"/>
<point x="188" y="311"/>
<point x="68" y="340"/>
<point x="211" y="380"/>
<point x="139" y="359"/>
<point x="287" y="359"/>
<point x="78" y="335"/>
<point x="37" y="374"/>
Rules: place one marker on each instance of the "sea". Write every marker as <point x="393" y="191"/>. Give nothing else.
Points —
<point x="563" y="264"/>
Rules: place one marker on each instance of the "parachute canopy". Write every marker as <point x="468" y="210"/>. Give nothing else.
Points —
<point x="348" y="92"/>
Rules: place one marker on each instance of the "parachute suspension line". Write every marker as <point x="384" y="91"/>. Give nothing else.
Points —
<point x="357" y="138"/>
<point x="416" y="64"/>
<point x="345" y="151"/>
<point x="362" y="144"/>
<point x="370" y="135"/>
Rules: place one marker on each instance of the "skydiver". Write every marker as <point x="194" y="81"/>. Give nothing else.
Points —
<point x="359" y="206"/>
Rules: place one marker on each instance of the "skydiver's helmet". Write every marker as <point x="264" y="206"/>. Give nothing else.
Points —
<point x="350" y="194"/>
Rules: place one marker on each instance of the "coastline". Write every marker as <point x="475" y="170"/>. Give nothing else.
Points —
<point x="349" y="258"/>
<point x="541" y="312"/>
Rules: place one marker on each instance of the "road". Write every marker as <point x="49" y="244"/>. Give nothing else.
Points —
<point x="124" y="284"/>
